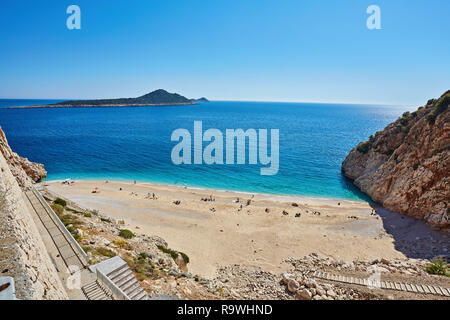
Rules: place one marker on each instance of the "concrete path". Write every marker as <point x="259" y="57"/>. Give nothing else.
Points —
<point x="387" y="285"/>
<point x="61" y="252"/>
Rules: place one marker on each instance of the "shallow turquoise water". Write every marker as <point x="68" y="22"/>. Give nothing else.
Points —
<point x="134" y="143"/>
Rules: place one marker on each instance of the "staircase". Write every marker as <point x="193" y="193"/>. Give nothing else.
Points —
<point x="117" y="277"/>
<point x="94" y="291"/>
<point x="125" y="280"/>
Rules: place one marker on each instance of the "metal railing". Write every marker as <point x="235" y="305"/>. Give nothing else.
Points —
<point x="61" y="225"/>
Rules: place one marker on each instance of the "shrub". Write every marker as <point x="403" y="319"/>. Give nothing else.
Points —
<point x="438" y="267"/>
<point x="106" y="220"/>
<point x="125" y="233"/>
<point x="60" y="201"/>
<point x="86" y="248"/>
<point x="430" y="102"/>
<point x="86" y="214"/>
<point x="121" y="243"/>
<point x="185" y="257"/>
<point x="364" y="147"/>
<point x="105" y="252"/>
<point x="440" y="106"/>
<point x="59" y="209"/>
<point x="171" y="252"/>
<point x="431" y="117"/>
<point x="144" y="255"/>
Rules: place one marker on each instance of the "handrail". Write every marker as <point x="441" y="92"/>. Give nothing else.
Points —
<point x="111" y="286"/>
<point x="61" y="225"/>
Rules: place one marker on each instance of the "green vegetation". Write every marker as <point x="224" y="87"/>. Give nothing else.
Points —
<point x="144" y="266"/>
<point x="104" y="252"/>
<point x="156" y="97"/>
<point x="125" y="233"/>
<point x="439" y="106"/>
<point x="185" y="257"/>
<point x="85" y="214"/>
<point x="105" y="220"/>
<point x="170" y="252"/>
<point x="60" y="201"/>
<point x="59" y="209"/>
<point x="438" y="267"/>
<point x="400" y="128"/>
<point x="364" y="147"/>
<point x="86" y="248"/>
<point x="405" y="118"/>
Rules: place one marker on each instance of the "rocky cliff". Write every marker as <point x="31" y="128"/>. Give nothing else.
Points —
<point x="23" y="255"/>
<point x="25" y="171"/>
<point x="406" y="167"/>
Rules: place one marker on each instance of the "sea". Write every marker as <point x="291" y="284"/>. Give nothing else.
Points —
<point x="134" y="143"/>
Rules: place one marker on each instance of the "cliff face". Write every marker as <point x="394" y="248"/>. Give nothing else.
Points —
<point x="22" y="252"/>
<point x="406" y="167"/>
<point x="25" y="171"/>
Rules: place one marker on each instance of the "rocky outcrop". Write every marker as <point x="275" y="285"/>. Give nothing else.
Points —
<point x="23" y="255"/>
<point x="25" y="171"/>
<point x="406" y="167"/>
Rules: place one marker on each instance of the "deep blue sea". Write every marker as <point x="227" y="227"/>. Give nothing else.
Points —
<point x="134" y="143"/>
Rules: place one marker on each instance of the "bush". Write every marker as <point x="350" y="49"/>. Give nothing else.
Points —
<point x="440" y="106"/>
<point x="185" y="257"/>
<point x="105" y="252"/>
<point x="171" y="252"/>
<point x="364" y="147"/>
<point x="106" y="220"/>
<point x="59" y="209"/>
<point x="121" y="243"/>
<point x="60" y="201"/>
<point x="431" y="117"/>
<point x="125" y="233"/>
<point x="438" y="267"/>
<point x="430" y="102"/>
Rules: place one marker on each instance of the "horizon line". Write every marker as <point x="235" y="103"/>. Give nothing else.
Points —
<point x="244" y="100"/>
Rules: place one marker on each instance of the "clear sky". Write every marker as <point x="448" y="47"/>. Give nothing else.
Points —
<point x="272" y="50"/>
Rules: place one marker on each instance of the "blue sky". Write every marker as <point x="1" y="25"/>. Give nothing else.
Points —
<point x="283" y="50"/>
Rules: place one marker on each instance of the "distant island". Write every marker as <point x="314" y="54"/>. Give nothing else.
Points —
<point x="158" y="97"/>
<point x="202" y="99"/>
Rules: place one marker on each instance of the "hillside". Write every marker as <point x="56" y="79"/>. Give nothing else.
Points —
<point x="202" y="99"/>
<point x="406" y="167"/>
<point x="157" y="97"/>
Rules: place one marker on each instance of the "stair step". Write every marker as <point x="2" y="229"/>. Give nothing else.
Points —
<point x="117" y="271"/>
<point x="131" y="287"/>
<point x="141" y="296"/>
<point x="122" y="276"/>
<point x="135" y="292"/>
<point x="126" y="281"/>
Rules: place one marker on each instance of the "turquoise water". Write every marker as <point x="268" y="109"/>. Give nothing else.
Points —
<point x="134" y="143"/>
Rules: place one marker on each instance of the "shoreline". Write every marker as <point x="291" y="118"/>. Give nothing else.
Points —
<point x="261" y="234"/>
<point x="281" y="196"/>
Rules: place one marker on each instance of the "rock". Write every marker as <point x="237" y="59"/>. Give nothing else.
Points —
<point x="405" y="166"/>
<point x="304" y="294"/>
<point x="293" y="286"/>
<point x="331" y="293"/>
<point x="25" y="171"/>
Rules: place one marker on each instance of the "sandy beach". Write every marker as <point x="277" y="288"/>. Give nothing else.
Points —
<point x="218" y="233"/>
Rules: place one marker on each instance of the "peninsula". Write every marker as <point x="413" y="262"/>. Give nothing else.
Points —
<point x="158" y="97"/>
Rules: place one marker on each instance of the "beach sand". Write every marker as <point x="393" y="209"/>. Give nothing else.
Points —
<point x="227" y="236"/>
